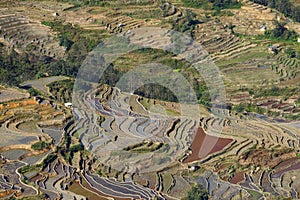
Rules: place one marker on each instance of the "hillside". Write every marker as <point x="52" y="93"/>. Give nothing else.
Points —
<point x="149" y="99"/>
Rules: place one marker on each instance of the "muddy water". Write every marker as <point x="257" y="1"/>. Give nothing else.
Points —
<point x="238" y="177"/>
<point x="291" y="168"/>
<point x="204" y="145"/>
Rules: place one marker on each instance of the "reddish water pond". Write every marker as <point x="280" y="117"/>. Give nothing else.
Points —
<point x="291" y="168"/>
<point x="204" y="145"/>
<point x="238" y="177"/>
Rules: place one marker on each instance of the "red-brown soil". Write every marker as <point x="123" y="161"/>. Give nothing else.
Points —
<point x="238" y="177"/>
<point x="204" y="145"/>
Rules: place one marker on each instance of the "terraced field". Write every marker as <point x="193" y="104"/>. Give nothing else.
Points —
<point x="112" y="144"/>
<point x="23" y="125"/>
<point x="287" y="68"/>
<point x="10" y="180"/>
<point x="22" y="33"/>
<point x="219" y="42"/>
<point x="41" y="84"/>
<point x="252" y="18"/>
<point x="8" y="94"/>
<point x="123" y="127"/>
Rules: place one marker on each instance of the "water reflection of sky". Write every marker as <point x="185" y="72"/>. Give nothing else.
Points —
<point x="294" y="124"/>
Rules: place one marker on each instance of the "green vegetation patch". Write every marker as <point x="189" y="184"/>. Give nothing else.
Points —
<point x="290" y="8"/>
<point x="281" y="33"/>
<point x="248" y="107"/>
<point x="144" y="147"/>
<point x="29" y="168"/>
<point x="33" y="92"/>
<point x="154" y="91"/>
<point x="40" y="145"/>
<point x="275" y="91"/>
<point x="146" y="14"/>
<point x="197" y="192"/>
<point x="62" y="90"/>
<point x="50" y="158"/>
<point x="212" y="4"/>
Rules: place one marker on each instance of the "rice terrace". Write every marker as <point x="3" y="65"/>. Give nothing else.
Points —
<point x="150" y="99"/>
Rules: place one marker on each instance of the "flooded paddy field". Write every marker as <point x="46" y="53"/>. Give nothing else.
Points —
<point x="204" y="145"/>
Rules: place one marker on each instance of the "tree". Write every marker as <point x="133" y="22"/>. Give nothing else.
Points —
<point x="33" y="92"/>
<point x="281" y="32"/>
<point x="198" y="192"/>
<point x="291" y="52"/>
<point x="288" y="7"/>
<point x="279" y="29"/>
<point x="231" y="27"/>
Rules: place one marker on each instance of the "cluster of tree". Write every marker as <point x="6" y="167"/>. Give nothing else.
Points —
<point x="212" y="4"/>
<point x="16" y="68"/>
<point x="69" y="151"/>
<point x="187" y="23"/>
<point x="33" y="92"/>
<point x="156" y="91"/>
<point x="248" y="107"/>
<point x="198" y="192"/>
<point x="294" y="117"/>
<point x="276" y="91"/>
<point x="226" y="4"/>
<point x="106" y="2"/>
<point x="62" y="90"/>
<point x="28" y="168"/>
<point x="281" y="32"/>
<point x="135" y="146"/>
<point x="40" y="145"/>
<point x="114" y="72"/>
<point x="50" y="158"/>
<point x="149" y="149"/>
<point x="287" y="7"/>
<point x="87" y="2"/>
<point x="293" y="53"/>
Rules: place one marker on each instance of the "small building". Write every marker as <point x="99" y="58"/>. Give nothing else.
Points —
<point x="55" y="14"/>
<point x="68" y="105"/>
<point x="273" y="49"/>
<point x="121" y="25"/>
<point x="193" y="168"/>
<point x="263" y="28"/>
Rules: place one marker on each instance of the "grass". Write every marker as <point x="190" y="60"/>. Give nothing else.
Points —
<point x="29" y="126"/>
<point x="145" y="14"/>
<point x="136" y="107"/>
<point x="29" y="168"/>
<point x="145" y="103"/>
<point x="254" y="194"/>
<point x="254" y="54"/>
<point x="167" y="181"/>
<point x="171" y="112"/>
<point x="38" y="197"/>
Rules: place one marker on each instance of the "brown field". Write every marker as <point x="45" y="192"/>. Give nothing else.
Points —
<point x="78" y="189"/>
<point x="202" y="143"/>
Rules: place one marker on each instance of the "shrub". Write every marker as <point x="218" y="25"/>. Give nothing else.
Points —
<point x="40" y="145"/>
<point x="197" y="192"/>
<point x="50" y="158"/>
<point x="212" y="4"/>
<point x="76" y="148"/>
<point x="287" y="7"/>
<point x="33" y="92"/>
<point x="280" y="32"/>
